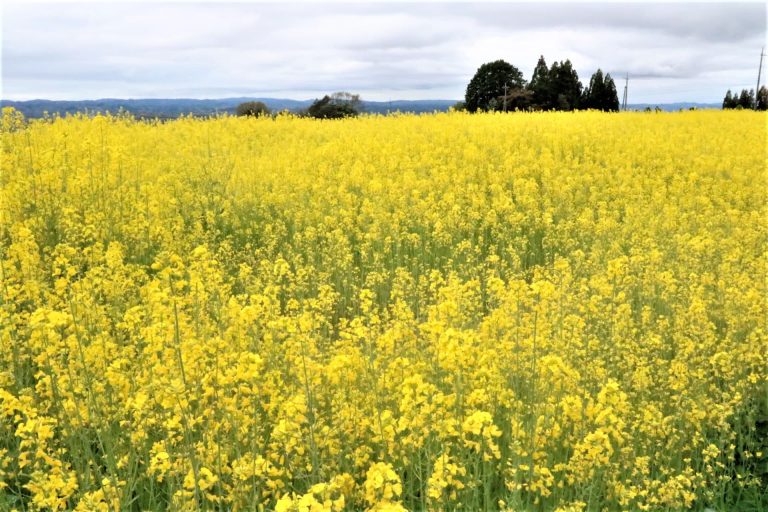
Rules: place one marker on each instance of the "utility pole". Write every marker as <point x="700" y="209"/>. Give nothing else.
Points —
<point x="504" y="108"/>
<point x="626" y="87"/>
<point x="759" y="70"/>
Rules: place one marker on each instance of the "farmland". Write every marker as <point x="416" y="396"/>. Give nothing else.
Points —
<point x="530" y="311"/>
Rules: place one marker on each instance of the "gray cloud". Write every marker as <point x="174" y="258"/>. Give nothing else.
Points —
<point x="672" y="52"/>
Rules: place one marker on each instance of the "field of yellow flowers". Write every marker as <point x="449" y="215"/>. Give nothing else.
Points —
<point x="531" y="311"/>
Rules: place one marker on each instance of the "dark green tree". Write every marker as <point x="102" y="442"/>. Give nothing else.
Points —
<point x="539" y="85"/>
<point x="610" y="96"/>
<point x="601" y="93"/>
<point x="554" y="70"/>
<point x="486" y="89"/>
<point x="762" y="98"/>
<point x="565" y="87"/>
<point x="728" y="100"/>
<point x="336" y="106"/>
<point x="747" y="98"/>
<point x="593" y="91"/>
<point x="252" y="108"/>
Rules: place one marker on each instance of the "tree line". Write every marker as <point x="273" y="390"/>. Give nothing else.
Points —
<point x="496" y="86"/>
<point x="500" y="86"/>
<point x="746" y="99"/>
<point x="331" y="106"/>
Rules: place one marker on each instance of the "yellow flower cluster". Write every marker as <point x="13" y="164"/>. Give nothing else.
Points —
<point x="445" y="482"/>
<point x="383" y="488"/>
<point x="320" y="498"/>
<point x="531" y="311"/>
<point x="479" y="434"/>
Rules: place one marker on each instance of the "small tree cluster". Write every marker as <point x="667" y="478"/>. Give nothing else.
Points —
<point x="564" y="87"/>
<point x="601" y="93"/>
<point x="746" y="99"/>
<point x="499" y="85"/>
<point x="252" y="108"/>
<point x="336" y="106"/>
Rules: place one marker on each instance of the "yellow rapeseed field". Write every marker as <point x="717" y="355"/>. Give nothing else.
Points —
<point x="530" y="311"/>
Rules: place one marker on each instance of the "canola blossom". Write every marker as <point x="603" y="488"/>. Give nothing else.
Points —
<point x="518" y="312"/>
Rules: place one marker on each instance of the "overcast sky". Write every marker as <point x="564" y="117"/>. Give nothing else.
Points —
<point x="672" y="52"/>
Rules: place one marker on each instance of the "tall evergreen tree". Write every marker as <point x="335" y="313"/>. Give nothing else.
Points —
<point x="594" y="92"/>
<point x="540" y="86"/>
<point x="565" y="87"/>
<point x="554" y="71"/>
<point x="610" y="96"/>
<point x="747" y="99"/>
<point x="728" y="100"/>
<point x="486" y="89"/>
<point x="601" y="93"/>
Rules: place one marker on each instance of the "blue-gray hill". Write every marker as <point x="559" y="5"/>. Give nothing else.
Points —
<point x="174" y="107"/>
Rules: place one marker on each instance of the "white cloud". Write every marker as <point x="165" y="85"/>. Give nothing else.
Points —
<point x="672" y="52"/>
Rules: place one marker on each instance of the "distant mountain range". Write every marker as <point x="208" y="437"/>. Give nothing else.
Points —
<point x="174" y="107"/>
<point x="671" y="107"/>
